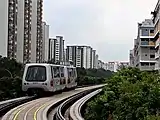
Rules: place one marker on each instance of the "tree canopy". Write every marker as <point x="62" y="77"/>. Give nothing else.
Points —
<point x="92" y="76"/>
<point x="130" y="94"/>
<point x="10" y="78"/>
<point x="9" y="67"/>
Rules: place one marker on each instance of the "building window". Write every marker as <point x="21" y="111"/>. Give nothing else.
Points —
<point x="151" y="31"/>
<point x="144" y="64"/>
<point x="152" y="48"/>
<point x="152" y="56"/>
<point x="152" y="64"/>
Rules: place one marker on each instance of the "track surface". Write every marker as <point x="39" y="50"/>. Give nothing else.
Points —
<point x="36" y="109"/>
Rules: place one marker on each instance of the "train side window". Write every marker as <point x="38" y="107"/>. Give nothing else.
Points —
<point x="69" y="72"/>
<point x="72" y="72"/>
<point x="62" y="72"/>
<point x="56" y="72"/>
<point x="52" y="69"/>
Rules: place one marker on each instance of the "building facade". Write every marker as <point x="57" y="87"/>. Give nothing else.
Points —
<point x="52" y="45"/>
<point x="144" y="46"/>
<point x="57" y="50"/>
<point x="74" y="54"/>
<point x="45" y="37"/>
<point x="102" y="65"/>
<point x="82" y="56"/>
<point x="20" y="25"/>
<point x="94" y="59"/>
<point x="131" y="58"/>
<point x="121" y="65"/>
<point x="111" y="66"/>
<point x="8" y="30"/>
<point x="156" y="22"/>
<point x="36" y="30"/>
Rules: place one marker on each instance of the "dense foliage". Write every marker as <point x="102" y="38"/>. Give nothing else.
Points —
<point x="10" y="88"/>
<point x="92" y="76"/>
<point x="10" y="68"/>
<point x="10" y="78"/>
<point x="129" y="95"/>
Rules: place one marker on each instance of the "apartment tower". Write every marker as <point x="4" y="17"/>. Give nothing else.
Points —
<point x="144" y="46"/>
<point x="21" y="30"/>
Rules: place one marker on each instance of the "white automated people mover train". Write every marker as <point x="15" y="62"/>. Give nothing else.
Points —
<point x="48" y="78"/>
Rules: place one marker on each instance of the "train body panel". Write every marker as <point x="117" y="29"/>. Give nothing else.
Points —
<point x="48" y="77"/>
<point x="71" y="76"/>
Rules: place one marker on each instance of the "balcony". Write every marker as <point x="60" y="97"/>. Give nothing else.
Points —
<point x="151" y="34"/>
<point x="148" y="68"/>
<point x="147" y="43"/>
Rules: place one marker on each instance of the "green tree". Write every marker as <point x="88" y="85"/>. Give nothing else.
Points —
<point x="129" y="95"/>
<point x="10" y="78"/>
<point x="92" y="76"/>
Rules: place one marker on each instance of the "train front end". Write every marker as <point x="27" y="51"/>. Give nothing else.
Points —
<point x="35" y="79"/>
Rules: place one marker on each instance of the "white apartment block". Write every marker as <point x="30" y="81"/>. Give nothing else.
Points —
<point x="121" y="65"/>
<point x="94" y="59"/>
<point x="52" y="49"/>
<point x="45" y="37"/>
<point x="131" y="58"/>
<point x="102" y="65"/>
<point x="74" y="54"/>
<point x="156" y="37"/>
<point x="36" y="30"/>
<point x="144" y="46"/>
<point x="88" y="54"/>
<point x="82" y="56"/>
<point x="20" y="18"/>
<point x="79" y="57"/>
<point x="8" y="28"/>
<point x="56" y="49"/>
<point x="111" y="66"/>
<point x="59" y="49"/>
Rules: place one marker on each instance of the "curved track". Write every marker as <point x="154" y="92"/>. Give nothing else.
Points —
<point x="8" y="104"/>
<point x="38" y="109"/>
<point x="76" y="108"/>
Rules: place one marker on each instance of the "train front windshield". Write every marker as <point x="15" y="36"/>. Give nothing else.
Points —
<point x="36" y="73"/>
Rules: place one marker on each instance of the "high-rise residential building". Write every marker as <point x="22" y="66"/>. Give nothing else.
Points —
<point x="57" y="50"/>
<point x="131" y="58"/>
<point x="36" y="30"/>
<point x="8" y="28"/>
<point x="82" y="56"/>
<point x="71" y="54"/>
<point x="87" y="57"/>
<point x="45" y="37"/>
<point x="52" y="45"/>
<point x="111" y="66"/>
<point x="79" y="57"/>
<point x="74" y="55"/>
<point x="156" y="22"/>
<point x="94" y="59"/>
<point x="21" y="29"/>
<point x="26" y="24"/>
<point x="144" y="46"/>
<point x="121" y="65"/>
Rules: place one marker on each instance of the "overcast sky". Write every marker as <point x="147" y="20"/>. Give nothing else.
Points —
<point x="109" y="26"/>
